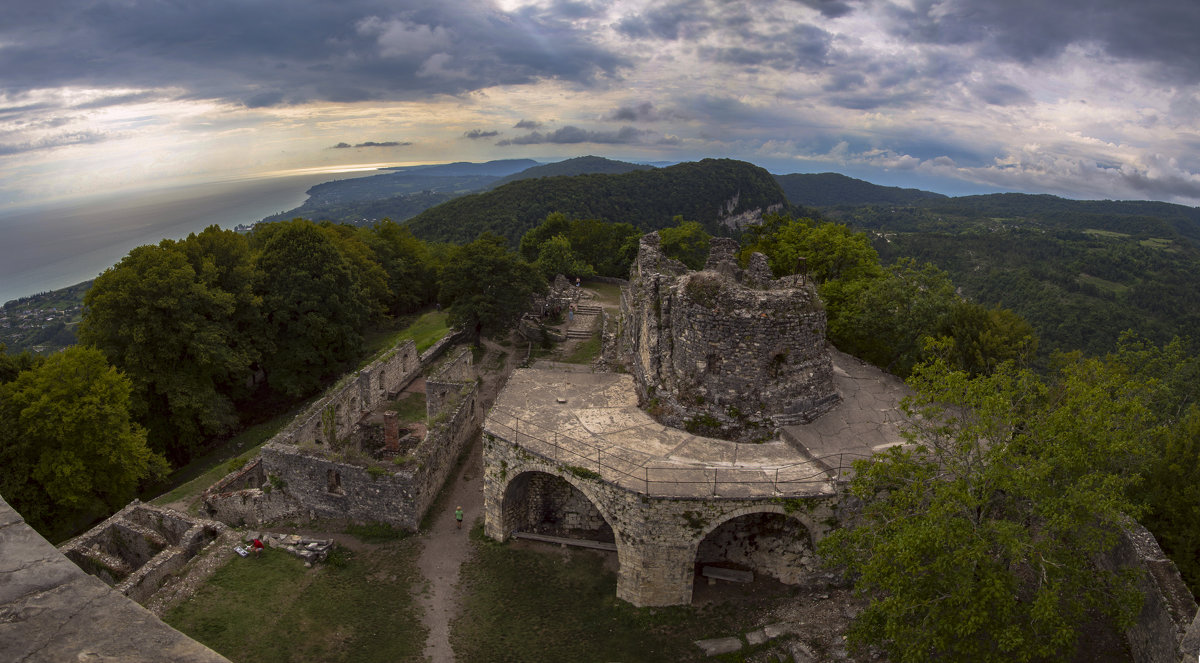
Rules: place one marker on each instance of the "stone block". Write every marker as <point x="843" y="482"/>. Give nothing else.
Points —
<point x="717" y="646"/>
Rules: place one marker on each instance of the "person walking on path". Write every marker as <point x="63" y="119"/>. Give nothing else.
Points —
<point x="458" y="516"/>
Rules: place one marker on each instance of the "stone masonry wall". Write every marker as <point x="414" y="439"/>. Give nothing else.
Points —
<point x="355" y="395"/>
<point x="725" y="351"/>
<point x="657" y="538"/>
<point x="312" y="485"/>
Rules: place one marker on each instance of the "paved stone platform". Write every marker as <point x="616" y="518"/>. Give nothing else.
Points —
<point x="591" y="421"/>
<point x="52" y="611"/>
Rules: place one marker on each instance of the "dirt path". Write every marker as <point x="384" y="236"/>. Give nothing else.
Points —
<point x="445" y="545"/>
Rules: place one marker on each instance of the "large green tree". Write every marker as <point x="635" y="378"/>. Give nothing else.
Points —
<point x="686" y="241"/>
<point x="180" y="319"/>
<point x="408" y="263"/>
<point x="314" y="308"/>
<point x="68" y="445"/>
<point x="487" y="287"/>
<point x="976" y="541"/>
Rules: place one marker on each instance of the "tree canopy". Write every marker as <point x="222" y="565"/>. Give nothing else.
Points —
<point x="486" y="286"/>
<point x="976" y="542"/>
<point x="68" y="445"/>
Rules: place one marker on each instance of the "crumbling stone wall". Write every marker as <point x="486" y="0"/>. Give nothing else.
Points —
<point x="725" y="351"/>
<point x="768" y="543"/>
<point x="356" y="394"/>
<point x="292" y="479"/>
<point x="138" y="547"/>
<point x="546" y="504"/>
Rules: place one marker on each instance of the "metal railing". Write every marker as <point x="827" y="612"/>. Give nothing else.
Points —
<point x="637" y="471"/>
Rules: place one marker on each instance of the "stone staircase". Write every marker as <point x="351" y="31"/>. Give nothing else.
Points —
<point x="584" y="325"/>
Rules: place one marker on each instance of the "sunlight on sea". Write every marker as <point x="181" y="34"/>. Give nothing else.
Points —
<point x="62" y="244"/>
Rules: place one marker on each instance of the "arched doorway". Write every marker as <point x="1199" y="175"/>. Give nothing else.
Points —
<point x="768" y="544"/>
<point x="543" y="503"/>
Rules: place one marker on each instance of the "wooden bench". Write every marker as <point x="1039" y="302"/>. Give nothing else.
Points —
<point x="715" y="573"/>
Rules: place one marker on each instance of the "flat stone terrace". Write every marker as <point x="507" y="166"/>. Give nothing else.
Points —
<point x="590" y="423"/>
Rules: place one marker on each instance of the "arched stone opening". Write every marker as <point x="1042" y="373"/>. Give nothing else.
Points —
<point x="544" y="503"/>
<point x="767" y="543"/>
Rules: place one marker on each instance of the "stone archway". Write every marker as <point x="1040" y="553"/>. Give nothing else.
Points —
<point x="766" y="541"/>
<point x="543" y="502"/>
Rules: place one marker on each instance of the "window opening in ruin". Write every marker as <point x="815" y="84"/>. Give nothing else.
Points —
<point x="768" y="544"/>
<point x="541" y="503"/>
<point x="334" y="482"/>
<point x="713" y="363"/>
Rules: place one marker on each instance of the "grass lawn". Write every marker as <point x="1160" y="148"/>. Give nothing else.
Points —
<point x="356" y="607"/>
<point x="609" y="293"/>
<point x="537" y="605"/>
<point x="411" y="408"/>
<point x="585" y="352"/>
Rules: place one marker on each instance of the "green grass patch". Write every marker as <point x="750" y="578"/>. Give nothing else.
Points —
<point x="608" y="293"/>
<point x="376" y="532"/>
<point x="357" y="607"/>
<point x="192" y="479"/>
<point x="1102" y="284"/>
<point x="530" y="605"/>
<point x="585" y="352"/>
<point x="1157" y="243"/>
<point x="411" y="408"/>
<point x="1104" y="233"/>
<point x="426" y="330"/>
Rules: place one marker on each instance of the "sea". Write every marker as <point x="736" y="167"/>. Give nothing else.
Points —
<point x="58" y="245"/>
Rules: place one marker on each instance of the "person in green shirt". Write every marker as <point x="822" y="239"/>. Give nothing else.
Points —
<point x="458" y="514"/>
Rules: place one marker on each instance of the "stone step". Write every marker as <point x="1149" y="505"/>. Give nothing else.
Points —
<point x="580" y="333"/>
<point x="588" y="310"/>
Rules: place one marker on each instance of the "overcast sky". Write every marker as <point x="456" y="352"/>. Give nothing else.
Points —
<point x="1082" y="98"/>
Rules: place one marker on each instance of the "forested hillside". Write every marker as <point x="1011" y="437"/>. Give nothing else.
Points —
<point x="708" y="191"/>
<point x="577" y="166"/>
<point x="1080" y="272"/>
<point x="824" y="189"/>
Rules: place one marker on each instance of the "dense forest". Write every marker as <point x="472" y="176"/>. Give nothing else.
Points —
<point x="708" y="192"/>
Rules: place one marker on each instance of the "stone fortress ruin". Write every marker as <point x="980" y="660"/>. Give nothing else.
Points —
<point x="720" y="452"/>
<point x="694" y="462"/>
<point x="725" y="351"/>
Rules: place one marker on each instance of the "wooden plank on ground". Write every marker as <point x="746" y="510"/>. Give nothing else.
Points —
<point x="732" y="575"/>
<point x="561" y="540"/>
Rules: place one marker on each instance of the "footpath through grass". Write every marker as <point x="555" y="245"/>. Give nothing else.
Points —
<point x="357" y="607"/>
<point x="537" y="605"/>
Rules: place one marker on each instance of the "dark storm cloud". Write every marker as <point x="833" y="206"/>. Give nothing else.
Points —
<point x="1002" y="94"/>
<point x="829" y="8"/>
<point x="281" y="51"/>
<point x="476" y="134"/>
<point x="643" y="112"/>
<point x="1156" y="32"/>
<point x="572" y="134"/>
<point x="371" y="143"/>
<point x="527" y="124"/>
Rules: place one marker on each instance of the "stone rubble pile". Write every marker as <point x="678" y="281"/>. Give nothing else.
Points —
<point x="308" y="549"/>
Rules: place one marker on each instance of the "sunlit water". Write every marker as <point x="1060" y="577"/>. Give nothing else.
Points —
<point x="57" y="246"/>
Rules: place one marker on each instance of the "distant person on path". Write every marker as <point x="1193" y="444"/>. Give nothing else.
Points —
<point x="257" y="547"/>
<point x="577" y="284"/>
<point x="458" y="516"/>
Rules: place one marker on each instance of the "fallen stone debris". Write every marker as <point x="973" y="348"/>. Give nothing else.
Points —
<point x="308" y="549"/>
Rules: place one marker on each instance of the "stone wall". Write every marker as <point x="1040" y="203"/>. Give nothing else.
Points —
<point x="724" y="351"/>
<point x="295" y="478"/>
<point x="50" y="610"/>
<point x="767" y="543"/>
<point x="138" y="547"/>
<point x="1168" y="608"/>
<point x="658" y="538"/>
<point x="356" y="394"/>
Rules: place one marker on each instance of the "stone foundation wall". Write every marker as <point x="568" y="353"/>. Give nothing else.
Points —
<point x="546" y="504"/>
<point x="308" y="484"/>
<point x="138" y="547"/>
<point x="724" y="351"/>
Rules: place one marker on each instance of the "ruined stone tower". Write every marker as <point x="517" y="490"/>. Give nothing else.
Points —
<point x="724" y="351"/>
